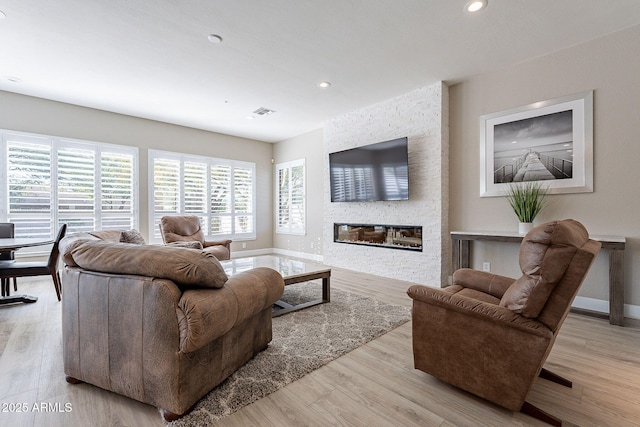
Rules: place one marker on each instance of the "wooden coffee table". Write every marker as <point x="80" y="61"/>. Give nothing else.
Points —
<point x="292" y="271"/>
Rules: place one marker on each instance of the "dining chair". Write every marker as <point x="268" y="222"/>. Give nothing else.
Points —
<point x="10" y="269"/>
<point x="7" y="230"/>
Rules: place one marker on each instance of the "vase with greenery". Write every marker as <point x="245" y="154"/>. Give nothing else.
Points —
<point x="527" y="200"/>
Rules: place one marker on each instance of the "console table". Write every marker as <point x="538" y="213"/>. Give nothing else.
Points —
<point x="460" y="251"/>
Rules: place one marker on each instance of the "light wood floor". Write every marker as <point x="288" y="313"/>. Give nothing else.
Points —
<point x="374" y="385"/>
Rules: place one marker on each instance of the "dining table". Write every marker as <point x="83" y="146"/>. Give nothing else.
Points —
<point x="14" y="244"/>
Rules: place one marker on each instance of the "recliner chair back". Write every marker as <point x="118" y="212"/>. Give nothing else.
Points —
<point x="181" y="229"/>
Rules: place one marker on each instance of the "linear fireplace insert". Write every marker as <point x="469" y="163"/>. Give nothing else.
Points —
<point x="406" y="237"/>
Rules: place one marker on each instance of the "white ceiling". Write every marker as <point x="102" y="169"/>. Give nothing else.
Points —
<point x="152" y="59"/>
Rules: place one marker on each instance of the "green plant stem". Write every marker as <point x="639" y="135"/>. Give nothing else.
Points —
<point x="527" y="200"/>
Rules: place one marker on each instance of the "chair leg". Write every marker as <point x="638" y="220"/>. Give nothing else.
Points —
<point x="539" y="414"/>
<point x="548" y="375"/>
<point x="15" y="284"/>
<point x="2" y="285"/>
<point x="6" y="289"/>
<point x="56" y="283"/>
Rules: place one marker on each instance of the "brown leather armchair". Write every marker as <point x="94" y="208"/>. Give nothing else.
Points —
<point x="489" y="334"/>
<point x="176" y="230"/>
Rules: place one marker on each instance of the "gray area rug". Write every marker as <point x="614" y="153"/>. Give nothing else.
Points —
<point x="302" y="342"/>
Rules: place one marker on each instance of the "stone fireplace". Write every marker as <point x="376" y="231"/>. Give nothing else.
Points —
<point x="421" y="116"/>
<point x="403" y="237"/>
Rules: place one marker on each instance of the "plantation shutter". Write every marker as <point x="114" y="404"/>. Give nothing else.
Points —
<point x="290" y="197"/>
<point x="195" y="191"/>
<point x="221" y="200"/>
<point x="166" y="190"/>
<point x="50" y="181"/>
<point x="117" y="195"/>
<point x="220" y="192"/>
<point x="243" y="200"/>
<point x="76" y="189"/>
<point x="29" y="188"/>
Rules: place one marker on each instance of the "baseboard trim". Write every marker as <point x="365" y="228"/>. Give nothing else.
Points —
<point x="304" y="255"/>
<point x="254" y="252"/>
<point x="602" y="306"/>
<point x="271" y="251"/>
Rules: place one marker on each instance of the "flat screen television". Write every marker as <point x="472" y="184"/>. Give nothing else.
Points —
<point x="370" y="173"/>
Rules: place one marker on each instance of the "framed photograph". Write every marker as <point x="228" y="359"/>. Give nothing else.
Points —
<point x="549" y="141"/>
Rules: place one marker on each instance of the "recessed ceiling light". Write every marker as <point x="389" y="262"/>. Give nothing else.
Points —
<point x="214" y="38"/>
<point x="324" y="85"/>
<point x="475" y="5"/>
<point x="13" y="79"/>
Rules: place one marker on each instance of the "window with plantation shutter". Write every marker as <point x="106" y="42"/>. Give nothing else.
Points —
<point x="117" y="189"/>
<point x="221" y="202"/>
<point x="166" y="191"/>
<point x="50" y="181"/>
<point x="221" y="192"/>
<point x="77" y="188"/>
<point x="195" y="188"/>
<point x="29" y="187"/>
<point x="243" y="200"/>
<point x="290" y="197"/>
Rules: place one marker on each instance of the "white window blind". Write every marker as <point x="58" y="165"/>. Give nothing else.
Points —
<point x="29" y="187"/>
<point x="221" y="192"/>
<point x="117" y="189"/>
<point x="50" y="181"/>
<point x="290" y="197"/>
<point x="166" y="189"/>
<point x="77" y="188"/>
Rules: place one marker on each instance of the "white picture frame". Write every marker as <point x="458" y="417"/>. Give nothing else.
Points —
<point x="549" y="142"/>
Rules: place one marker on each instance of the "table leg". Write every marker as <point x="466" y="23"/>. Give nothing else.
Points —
<point x="616" y="287"/>
<point x="326" y="289"/>
<point x="461" y="254"/>
<point x="455" y="254"/>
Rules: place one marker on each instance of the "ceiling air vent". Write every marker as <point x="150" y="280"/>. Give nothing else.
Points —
<point x="263" y="111"/>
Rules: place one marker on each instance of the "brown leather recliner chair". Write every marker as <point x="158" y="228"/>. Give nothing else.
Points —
<point x="489" y="334"/>
<point x="179" y="229"/>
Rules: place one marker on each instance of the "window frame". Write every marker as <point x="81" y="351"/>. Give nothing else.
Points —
<point x="55" y="145"/>
<point x="208" y="214"/>
<point x="299" y="230"/>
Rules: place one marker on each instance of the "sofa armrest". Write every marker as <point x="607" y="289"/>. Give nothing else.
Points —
<point x="499" y="316"/>
<point x="224" y="242"/>
<point x="492" y="284"/>
<point x="206" y="314"/>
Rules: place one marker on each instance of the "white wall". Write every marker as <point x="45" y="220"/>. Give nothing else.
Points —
<point x="308" y="146"/>
<point x="422" y="116"/>
<point x="609" y="66"/>
<point x="36" y="115"/>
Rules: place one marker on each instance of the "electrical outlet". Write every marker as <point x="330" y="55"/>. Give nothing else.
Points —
<point x="244" y="245"/>
<point x="486" y="266"/>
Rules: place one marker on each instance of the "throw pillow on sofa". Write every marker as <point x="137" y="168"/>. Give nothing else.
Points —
<point x="132" y="236"/>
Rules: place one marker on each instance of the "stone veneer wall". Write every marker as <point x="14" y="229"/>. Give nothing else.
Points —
<point x="422" y="116"/>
